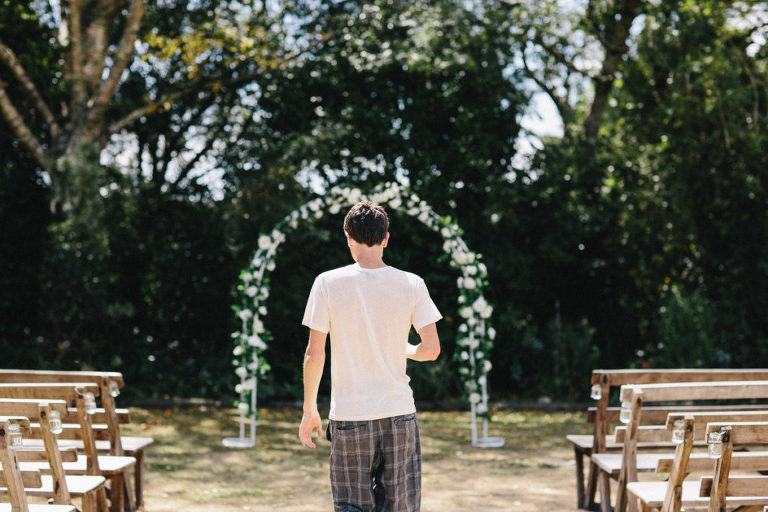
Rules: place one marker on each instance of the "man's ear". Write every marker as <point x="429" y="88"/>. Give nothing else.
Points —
<point x="386" y="240"/>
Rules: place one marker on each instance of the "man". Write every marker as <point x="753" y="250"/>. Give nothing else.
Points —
<point x="368" y="309"/>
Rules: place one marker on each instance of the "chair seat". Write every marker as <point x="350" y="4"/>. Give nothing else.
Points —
<point x="78" y="485"/>
<point x="6" y="507"/>
<point x="652" y="494"/>
<point x="582" y="442"/>
<point x="109" y="465"/>
<point x="611" y="462"/>
<point x="131" y="444"/>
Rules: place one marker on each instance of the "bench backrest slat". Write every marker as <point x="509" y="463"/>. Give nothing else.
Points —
<point x="734" y="390"/>
<point x="702" y="418"/>
<point x="14" y="376"/>
<point x="738" y="486"/>
<point x="742" y="432"/>
<point x="658" y="413"/>
<point x="702" y="463"/>
<point x="38" y="454"/>
<point x="99" y="416"/>
<point x="29" y="407"/>
<point x="637" y="376"/>
<point x="44" y="391"/>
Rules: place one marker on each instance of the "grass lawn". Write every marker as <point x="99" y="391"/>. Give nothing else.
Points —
<point x="188" y="468"/>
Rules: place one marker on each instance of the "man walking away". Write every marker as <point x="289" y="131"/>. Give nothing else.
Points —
<point x="368" y="308"/>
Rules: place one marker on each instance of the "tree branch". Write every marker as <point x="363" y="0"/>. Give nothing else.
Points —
<point x="754" y="81"/>
<point x="22" y="131"/>
<point x="560" y="102"/>
<point x="121" y="59"/>
<point x="170" y="99"/>
<point x="557" y="54"/>
<point x="187" y="166"/>
<point x="9" y="58"/>
<point x="177" y="141"/>
<point x="76" y="48"/>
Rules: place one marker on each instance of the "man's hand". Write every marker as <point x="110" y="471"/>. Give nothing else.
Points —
<point x="309" y="422"/>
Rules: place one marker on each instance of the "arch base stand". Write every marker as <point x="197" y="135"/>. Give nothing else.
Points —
<point x="485" y="441"/>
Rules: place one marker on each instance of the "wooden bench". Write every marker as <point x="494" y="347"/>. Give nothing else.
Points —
<point x="602" y="415"/>
<point x="16" y="479"/>
<point x="637" y="395"/>
<point x="113" y="468"/>
<point x="719" y="489"/>
<point x="56" y="485"/>
<point x="110" y="384"/>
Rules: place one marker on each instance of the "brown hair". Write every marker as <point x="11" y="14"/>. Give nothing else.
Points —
<point x="367" y="223"/>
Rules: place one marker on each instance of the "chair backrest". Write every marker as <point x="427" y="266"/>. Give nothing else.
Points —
<point x="64" y="391"/>
<point x="660" y="433"/>
<point x="674" y="492"/>
<point x="109" y="383"/>
<point x="722" y="484"/>
<point x="609" y="379"/>
<point x="12" y="476"/>
<point x="744" y="433"/>
<point x="635" y="396"/>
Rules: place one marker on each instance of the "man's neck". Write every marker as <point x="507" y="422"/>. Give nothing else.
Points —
<point x="371" y="260"/>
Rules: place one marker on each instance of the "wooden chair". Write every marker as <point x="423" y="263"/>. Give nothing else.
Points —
<point x="736" y="491"/>
<point x="114" y="468"/>
<point x="637" y="395"/>
<point x="56" y="485"/>
<point x="16" y="479"/>
<point x="110" y="384"/>
<point x="719" y="489"/>
<point x="602" y="415"/>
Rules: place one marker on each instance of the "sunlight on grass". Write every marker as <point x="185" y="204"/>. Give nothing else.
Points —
<point x="188" y="465"/>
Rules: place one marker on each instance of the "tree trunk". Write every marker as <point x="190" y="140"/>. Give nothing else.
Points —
<point x="614" y="39"/>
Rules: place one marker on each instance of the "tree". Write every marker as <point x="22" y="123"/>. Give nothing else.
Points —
<point x="118" y="63"/>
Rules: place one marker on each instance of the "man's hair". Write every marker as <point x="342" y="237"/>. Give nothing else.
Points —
<point x="367" y="223"/>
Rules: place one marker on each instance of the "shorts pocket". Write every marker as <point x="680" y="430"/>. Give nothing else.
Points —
<point x="350" y="427"/>
<point x="405" y="419"/>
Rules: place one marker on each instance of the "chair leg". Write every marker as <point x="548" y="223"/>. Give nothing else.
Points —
<point x="101" y="500"/>
<point x="130" y="502"/>
<point x="89" y="502"/>
<point x="138" y="475"/>
<point x="605" y="492"/>
<point x="591" y="487"/>
<point x="118" y="492"/>
<point x="579" y="477"/>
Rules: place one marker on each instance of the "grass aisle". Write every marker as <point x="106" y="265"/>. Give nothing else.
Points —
<point x="188" y="468"/>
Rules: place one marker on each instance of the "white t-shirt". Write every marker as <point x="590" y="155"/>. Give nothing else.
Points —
<point x="369" y="313"/>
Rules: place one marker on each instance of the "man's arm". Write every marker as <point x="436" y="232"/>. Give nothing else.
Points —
<point x="314" y="360"/>
<point x="429" y="348"/>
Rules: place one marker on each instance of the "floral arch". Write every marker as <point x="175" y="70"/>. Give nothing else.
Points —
<point x="475" y="334"/>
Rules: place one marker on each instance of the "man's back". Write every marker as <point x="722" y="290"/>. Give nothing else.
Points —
<point x="368" y="313"/>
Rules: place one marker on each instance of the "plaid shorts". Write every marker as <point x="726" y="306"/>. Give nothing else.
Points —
<point x="376" y="465"/>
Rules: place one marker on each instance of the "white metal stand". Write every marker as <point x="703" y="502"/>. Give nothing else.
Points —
<point x="485" y="441"/>
<point x="242" y="441"/>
